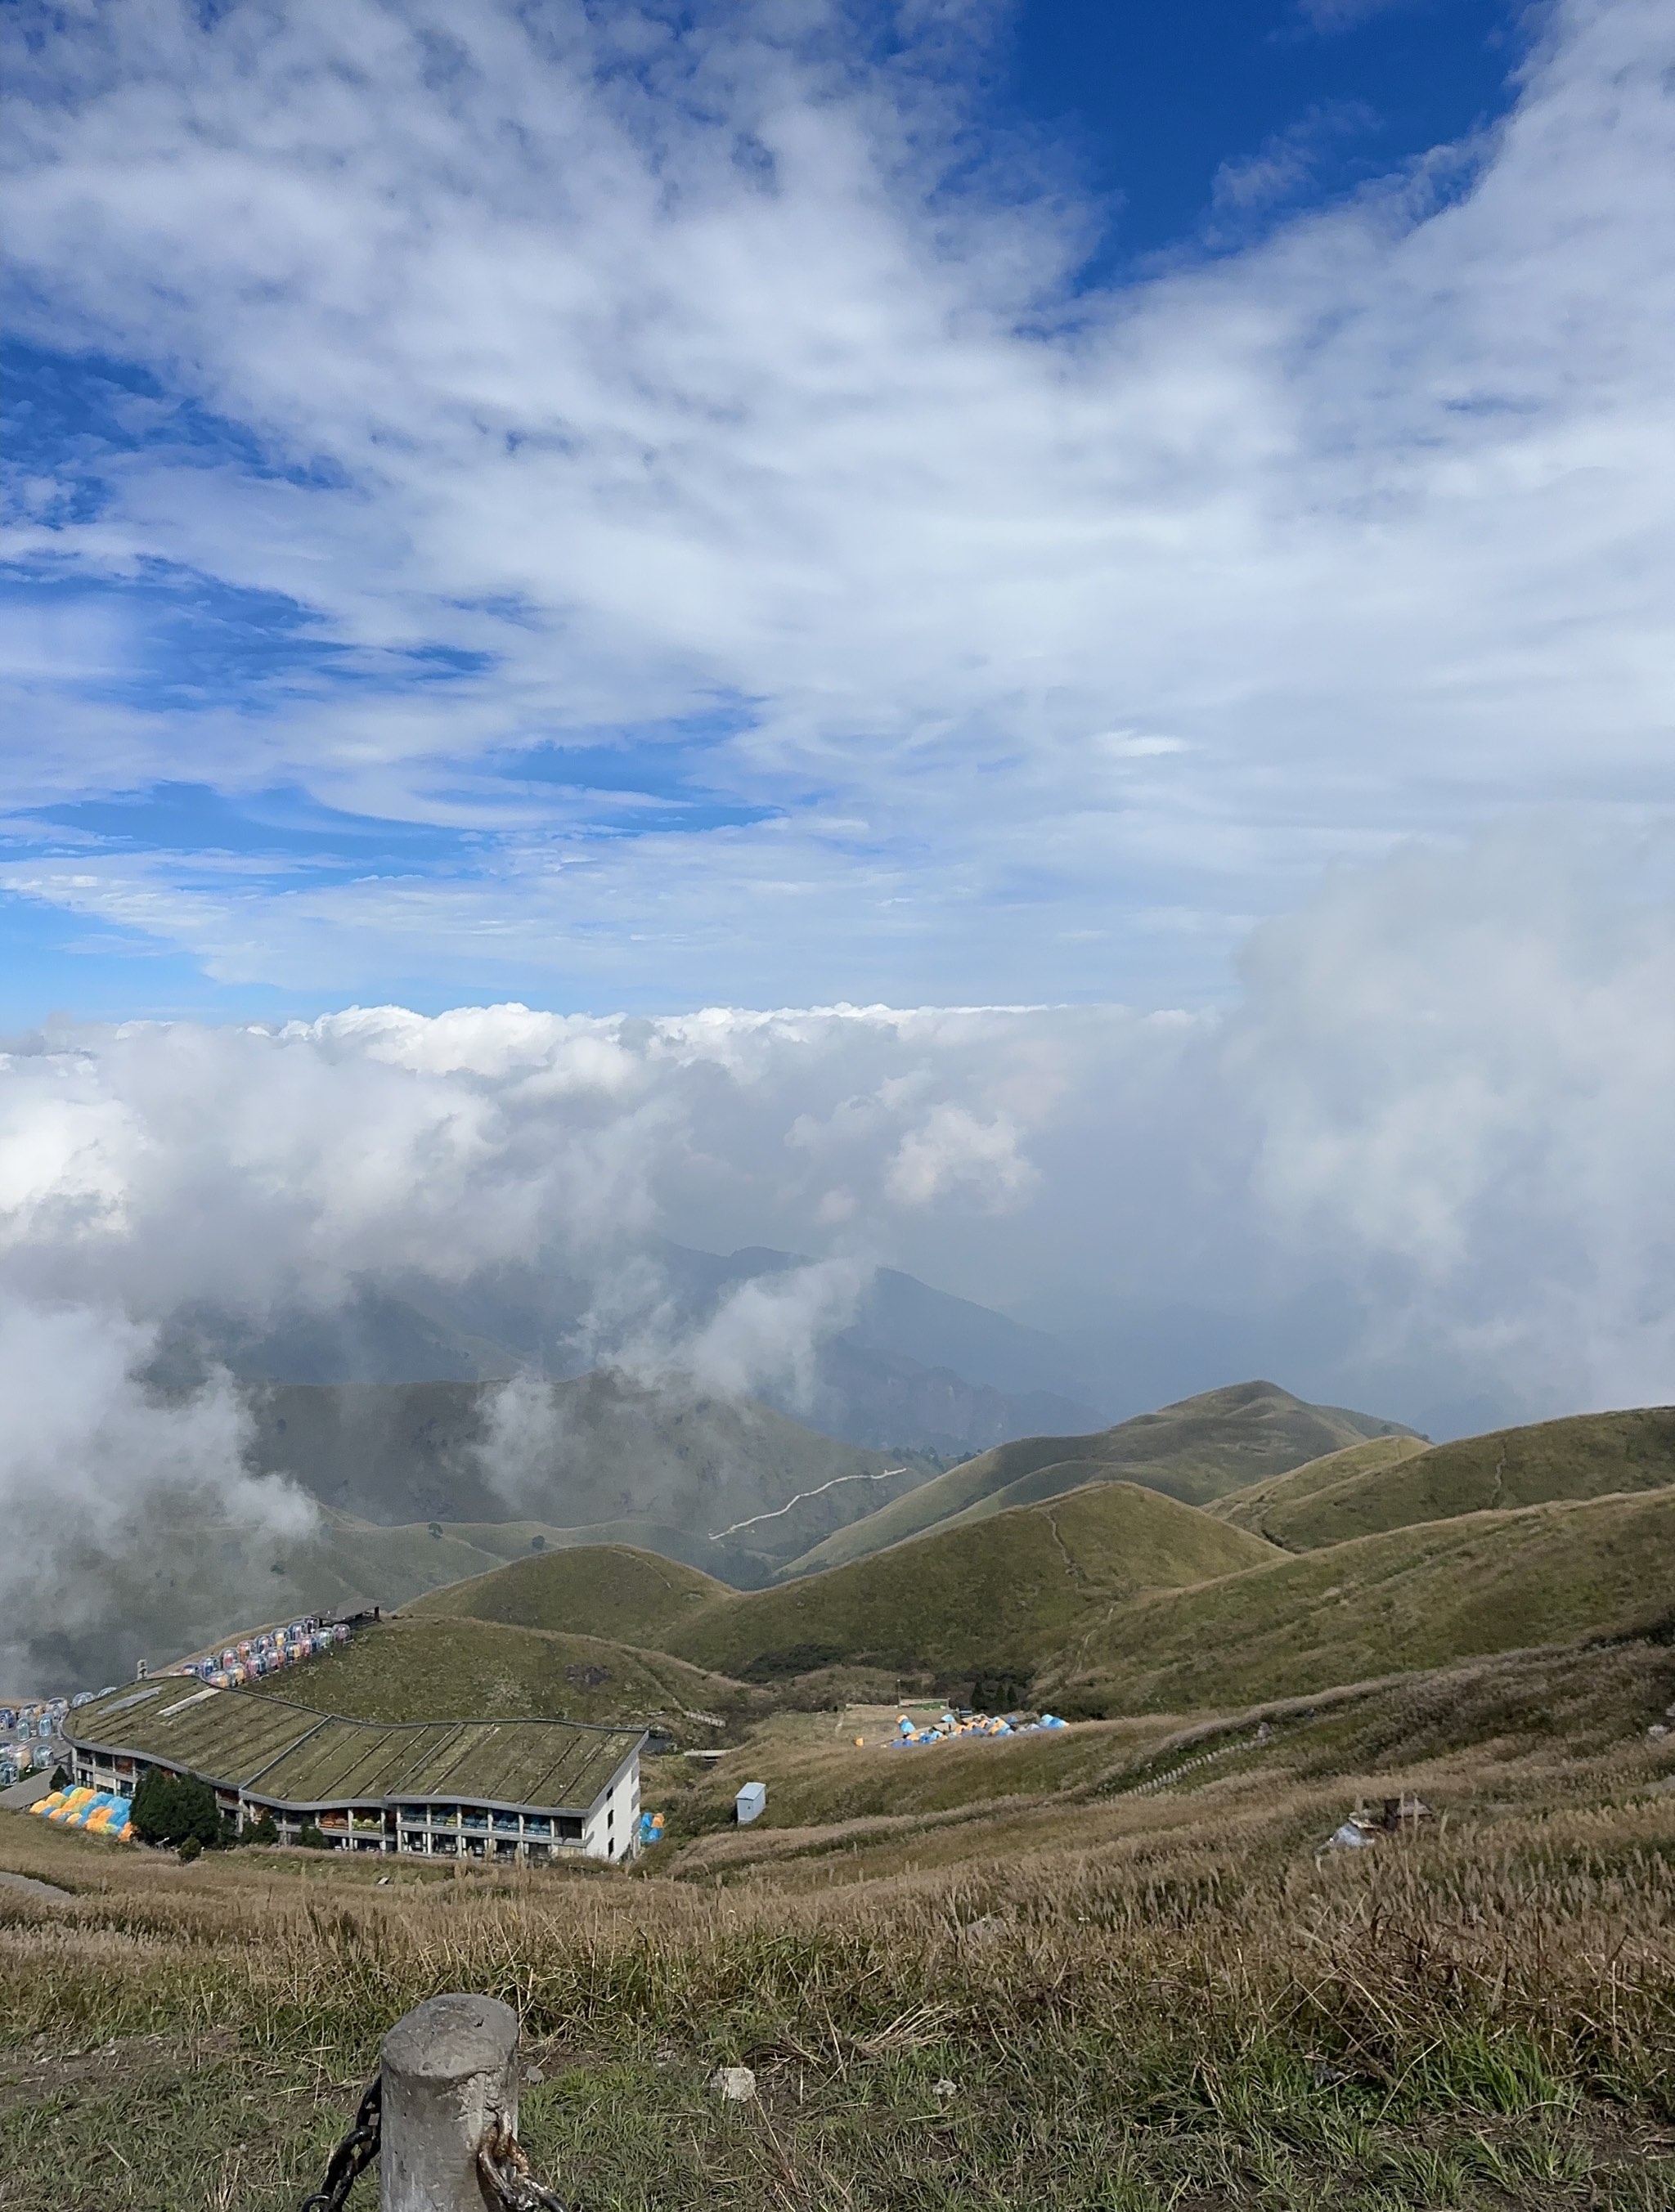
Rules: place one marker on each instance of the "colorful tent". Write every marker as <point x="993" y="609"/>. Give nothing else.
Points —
<point x="100" y="1812"/>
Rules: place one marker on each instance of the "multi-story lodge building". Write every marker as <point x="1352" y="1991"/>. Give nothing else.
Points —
<point x="531" y="1791"/>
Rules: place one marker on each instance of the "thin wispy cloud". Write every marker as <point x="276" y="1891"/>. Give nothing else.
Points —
<point x="468" y="392"/>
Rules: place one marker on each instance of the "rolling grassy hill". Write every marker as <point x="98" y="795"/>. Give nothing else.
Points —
<point x="449" y="1669"/>
<point x="1412" y="1597"/>
<point x="1000" y="1592"/>
<point x="1193" y="1451"/>
<point x="606" y="1590"/>
<point x="1245" y="1509"/>
<point x="186" y="1579"/>
<point x="1589" y="1456"/>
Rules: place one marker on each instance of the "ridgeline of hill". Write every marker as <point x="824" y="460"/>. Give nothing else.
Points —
<point x="1115" y="1597"/>
<point x="187" y="1578"/>
<point x="1001" y="1593"/>
<point x="1412" y="1597"/>
<point x="606" y="1590"/>
<point x="463" y="1669"/>
<point x="1244" y="1509"/>
<point x="1587" y="1455"/>
<point x="1195" y="1451"/>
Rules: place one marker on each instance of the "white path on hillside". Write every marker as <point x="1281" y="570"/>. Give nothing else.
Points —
<point x="865" y="1475"/>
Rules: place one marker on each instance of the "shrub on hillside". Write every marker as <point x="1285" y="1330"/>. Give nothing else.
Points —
<point x="312" y="1837"/>
<point x="265" y="1832"/>
<point x="1000" y="1689"/>
<point x="167" y="1809"/>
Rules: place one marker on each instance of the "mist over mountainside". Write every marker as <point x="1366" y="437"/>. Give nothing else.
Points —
<point x="895" y="1364"/>
<point x="395" y="1488"/>
<point x="735" y="1487"/>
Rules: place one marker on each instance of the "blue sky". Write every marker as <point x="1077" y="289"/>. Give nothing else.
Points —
<point x="973" y="506"/>
<point x="1158" y="106"/>
<point x="1037" y="637"/>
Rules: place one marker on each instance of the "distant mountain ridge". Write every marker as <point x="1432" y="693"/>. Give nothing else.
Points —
<point x="1193" y="1451"/>
<point x="917" y="1369"/>
<point x="730" y="1484"/>
<point x="1110" y="1597"/>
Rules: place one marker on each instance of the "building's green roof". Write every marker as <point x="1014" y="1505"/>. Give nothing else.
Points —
<point x="286" y="1754"/>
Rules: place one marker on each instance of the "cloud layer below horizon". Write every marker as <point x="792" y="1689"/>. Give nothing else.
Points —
<point x="1439" y="1112"/>
<point x="1444" y="1089"/>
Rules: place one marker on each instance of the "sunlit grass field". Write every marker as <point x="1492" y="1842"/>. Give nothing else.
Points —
<point x="1165" y="1996"/>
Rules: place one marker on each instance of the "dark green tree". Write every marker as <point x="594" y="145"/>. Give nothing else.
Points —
<point x="168" y="1807"/>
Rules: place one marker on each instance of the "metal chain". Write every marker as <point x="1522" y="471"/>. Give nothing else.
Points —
<point x="503" y="2164"/>
<point x="353" y="2155"/>
<point x="508" y="2178"/>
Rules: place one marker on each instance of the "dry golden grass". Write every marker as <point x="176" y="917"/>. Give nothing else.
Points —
<point x="1143" y="1999"/>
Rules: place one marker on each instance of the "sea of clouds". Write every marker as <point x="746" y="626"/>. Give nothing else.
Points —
<point x="1445" y="1089"/>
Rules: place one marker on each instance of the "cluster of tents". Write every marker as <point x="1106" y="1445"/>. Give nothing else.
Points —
<point x="253" y="1656"/>
<point x="100" y="1812"/>
<point x="35" y="1728"/>
<point x="951" y="1725"/>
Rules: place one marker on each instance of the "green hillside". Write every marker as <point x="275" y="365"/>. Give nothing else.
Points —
<point x="1588" y="1456"/>
<point x="730" y="1487"/>
<point x="670" y="1468"/>
<point x="1414" y="1597"/>
<point x="605" y="1590"/>
<point x="1195" y="1450"/>
<point x="451" y="1669"/>
<point x="1246" y="1509"/>
<point x="185" y="1579"/>
<point x="1001" y="1593"/>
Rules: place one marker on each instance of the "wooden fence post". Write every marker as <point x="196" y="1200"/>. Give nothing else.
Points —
<point x="450" y="2069"/>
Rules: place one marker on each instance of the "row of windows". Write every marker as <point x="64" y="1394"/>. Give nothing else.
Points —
<point x="439" y="1831"/>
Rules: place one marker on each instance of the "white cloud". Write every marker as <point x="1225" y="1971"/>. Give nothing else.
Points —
<point x="1444" y="1088"/>
<point x="1461" y="1069"/>
<point x="91" y="1463"/>
<point x="1375" y="518"/>
<point x="954" y="1149"/>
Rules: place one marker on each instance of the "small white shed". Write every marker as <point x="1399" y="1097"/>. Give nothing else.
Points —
<point x="751" y="1802"/>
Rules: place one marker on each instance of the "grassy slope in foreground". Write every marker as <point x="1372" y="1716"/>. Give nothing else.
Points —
<point x="407" y="1670"/>
<point x="604" y="1589"/>
<point x="1193" y="1450"/>
<point x="1414" y="1597"/>
<point x="1003" y="1591"/>
<point x="1245" y="1509"/>
<point x="1588" y="1456"/>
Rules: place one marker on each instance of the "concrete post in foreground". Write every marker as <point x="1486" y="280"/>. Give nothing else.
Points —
<point x="450" y="2069"/>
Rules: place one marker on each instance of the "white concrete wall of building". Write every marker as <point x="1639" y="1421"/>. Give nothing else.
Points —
<point x="612" y="1827"/>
